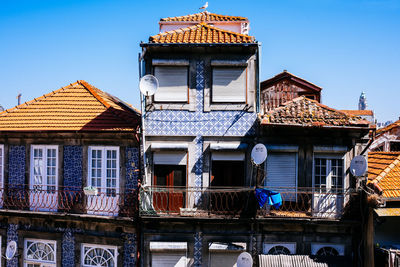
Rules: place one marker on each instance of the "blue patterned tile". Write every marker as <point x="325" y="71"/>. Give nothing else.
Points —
<point x="12" y="235"/>
<point x="68" y="249"/>
<point x="130" y="250"/>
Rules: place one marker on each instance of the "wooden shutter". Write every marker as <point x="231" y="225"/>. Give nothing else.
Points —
<point x="170" y="158"/>
<point x="173" y="84"/>
<point x="229" y="84"/>
<point x="282" y="172"/>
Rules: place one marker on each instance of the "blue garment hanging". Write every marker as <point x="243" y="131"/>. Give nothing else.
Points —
<point x="274" y="198"/>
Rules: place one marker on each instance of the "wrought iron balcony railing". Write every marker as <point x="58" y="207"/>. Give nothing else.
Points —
<point x="225" y="202"/>
<point x="107" y="202"/>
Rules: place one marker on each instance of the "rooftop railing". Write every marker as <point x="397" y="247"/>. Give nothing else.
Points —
<point x="105" y="201"/>
<point x="223" y="202"/>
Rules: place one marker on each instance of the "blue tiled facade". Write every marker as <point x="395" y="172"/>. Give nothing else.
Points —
<point x="16" y="166"/>
<point x="12" y="235"/>
<point x="68" y="249"/>
<point x="73" y="166"/>
<point x="132" y="167"/>
<point x="130" y="251"/>
<point x="198" y="247"/>
<point x="188" y="123"/>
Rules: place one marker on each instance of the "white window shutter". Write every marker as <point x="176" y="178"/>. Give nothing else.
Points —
<point x="170" y="158"/>
<point x="173" y="84"/>
<point x="229" y="84"/>
<point x="282" y="174"/>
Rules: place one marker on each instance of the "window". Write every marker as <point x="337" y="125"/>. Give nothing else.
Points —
<point x="227" y="169"/>
<point x="279" y="248"/>
<point x="98" y="255"/>
<point x="173" y="83"/>
<point x="168" y="254"/>
<point x="229" y="84"/>
<point x="104" y="169"/>
<point x="328" y="173"/>
<point x="44" y="165"/>
<point x="40" y="253"/>
<point x="281" y="174"/>
<point x="394" y="146"/>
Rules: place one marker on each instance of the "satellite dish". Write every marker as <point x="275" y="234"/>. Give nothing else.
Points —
<point x="358" y="166"/>
<point x="11" y="249"/>
<point x="259" y="153"/>
<point x="244" y="260"/>
<point x="148" y="85"/>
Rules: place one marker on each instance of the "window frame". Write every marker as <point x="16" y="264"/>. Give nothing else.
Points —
<point x="103" y="178"/>
<point x="161" y="102"/>
<point x="41" y="262"/>
<point x="245" y="70"/>
<point x="45" y="167"/>
<point x="94" y="246"/>
<point x="329" y="157"/>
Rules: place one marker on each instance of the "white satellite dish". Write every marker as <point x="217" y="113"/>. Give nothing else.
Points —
<point x="244" y="260"/>
<point x="148" y="85"/>
<point x="259" y="153"/>
<point x="358" y="166"/>
<point x="11" y="249"/>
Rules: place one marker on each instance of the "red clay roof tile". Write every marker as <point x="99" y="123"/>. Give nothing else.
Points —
<point x="205" y="16"/>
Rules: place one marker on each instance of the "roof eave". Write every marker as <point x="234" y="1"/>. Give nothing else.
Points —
<point x="316" y="126"/>
<point x="197" y="44"/>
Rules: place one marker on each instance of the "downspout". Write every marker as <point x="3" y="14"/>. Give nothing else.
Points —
<point x="258" y="93"/>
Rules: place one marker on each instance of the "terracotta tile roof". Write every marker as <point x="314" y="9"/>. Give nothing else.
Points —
<point x="201" y="34"/>
<point x="302" y="111"/>
<point x="205" y="16"/>
<point x="388" y="128"/>
<point x="356" y="112"/>
<point x="287" y="75"/>
<point x="384" y="170"/>
<point x="76" y="107"/>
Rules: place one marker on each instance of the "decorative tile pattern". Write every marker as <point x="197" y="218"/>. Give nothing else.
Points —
<point x="254" y="251"/>
<point x="130" y="250"/>
<point x="12" y="235"/>
<point x="73" y="169"/>
<point x="16" y="171"/>
<point x="132" y="166"/>
<point x="68" y="249"/>
<point x="198" y="247"/>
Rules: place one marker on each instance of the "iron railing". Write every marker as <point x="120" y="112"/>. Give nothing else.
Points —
<point x="69" y="200"/>
<point x="240" y="202"/>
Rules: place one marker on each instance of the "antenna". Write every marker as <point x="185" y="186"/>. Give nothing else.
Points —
<point x="11" y="249"/>
<point x="244" y="260"/>
<point x="358" y="166"/>
<point x="259" y="154"/>
<point x="148" y="85"/>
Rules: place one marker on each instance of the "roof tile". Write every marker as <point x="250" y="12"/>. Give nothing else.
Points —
<point x="204" y="16"/>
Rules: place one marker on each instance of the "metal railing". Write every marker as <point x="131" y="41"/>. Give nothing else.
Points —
<point x="240" y="202"/>
<point x="69" y="200"/>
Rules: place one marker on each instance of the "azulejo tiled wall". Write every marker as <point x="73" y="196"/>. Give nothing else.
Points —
<point x="198" y="247"/>
<point x="16" y="166"/>
<point x="130" y="250"/>
<point x="12" y="235"/>
<point x="132" y="167"/>
<point x="73" y="169"/>
<point x="189" y="123"/>
<point x="68" y="249"/>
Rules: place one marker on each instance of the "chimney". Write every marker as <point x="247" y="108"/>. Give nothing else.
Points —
<point x="19" y="98"/>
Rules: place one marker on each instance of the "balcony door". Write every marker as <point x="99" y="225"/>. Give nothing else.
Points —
<point x="328" y="186"/>
<point x="103" y="174"/>
<point x="43" y="193"/>
<point x="169" y="181"/>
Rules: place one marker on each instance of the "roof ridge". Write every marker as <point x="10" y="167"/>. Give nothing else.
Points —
<point x="91" y="88"/>
<point x="205" y="12"/>
<point x="34" y="100"/>
<point x="383" y="174"/>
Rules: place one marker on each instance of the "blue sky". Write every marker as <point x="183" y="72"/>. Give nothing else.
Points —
<point x="344" y="46"/>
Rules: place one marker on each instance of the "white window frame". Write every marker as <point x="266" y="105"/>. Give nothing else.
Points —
<point x="237" y="99"/>
<point x="291" y="246"/>
<point x="94" y="246"/>
<point x="103" y="177"/>
<point x="329" y="157"/>
<point x="41" y="262"/>
<point x="45" y="174"/>
<point x="315" y="247"/>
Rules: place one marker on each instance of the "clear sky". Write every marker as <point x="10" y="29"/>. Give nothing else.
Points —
<point x="344" y="46"/>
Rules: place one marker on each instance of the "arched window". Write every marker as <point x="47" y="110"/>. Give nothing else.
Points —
<point x="327" y="251"/>
<point x="98" y="255"/>
<point x="40" y="252"/>
<point x="279" y="250"/>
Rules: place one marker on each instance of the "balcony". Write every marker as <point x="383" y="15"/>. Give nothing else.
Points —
<point x="227" y="202"/>
<point x="107" y="202"/>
